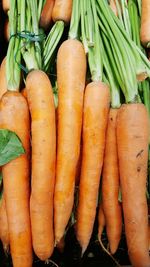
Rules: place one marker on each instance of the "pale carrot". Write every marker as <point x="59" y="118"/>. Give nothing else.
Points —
<point x="132" y="143"/>
<point x="71" y="72"/>
<point x="15" y="117"/>
<point x="43" y="131"/>
<point x="95" y="117"/>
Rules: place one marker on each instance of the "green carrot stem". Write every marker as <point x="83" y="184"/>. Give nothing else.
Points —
<point x="125" y="15"/>
<point x="41" y="3"/>
<point x="83" y="27"/>
<point x="75" y="20"/>
<point x="51" y="43"/>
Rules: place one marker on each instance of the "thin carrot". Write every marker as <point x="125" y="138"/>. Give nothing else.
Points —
<point x="4" y="231"/>
<point x="96" y="107"/>
<point x="43" y="129"/>
<point x="15" y="117"/>
<point x="6" y="5"/>
<point x="145" y="22"/>
<point x="3" y="81"/>
<point x="70" y="59"/>
<point x="46" y="14"/>
<point x="132" y="143"/>
<point x="62" y="10"/>
<point x="101" y="220"/>
<point x="110" y="185"/>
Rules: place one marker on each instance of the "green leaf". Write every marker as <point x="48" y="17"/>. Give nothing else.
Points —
<point x="10" y="146"/>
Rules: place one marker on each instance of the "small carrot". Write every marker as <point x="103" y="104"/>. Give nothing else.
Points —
<point x="46" y="15"/>
<point x="95" y="117"/>
<point x="62" y="10"/>
<point x="145" y="22"/>
<point x="3" y="81"/>
<point x="110" y="185"/>
<point x="4" y="231"/>
<point x="43" y="131"/>
<point x="71" y="59"/>
<point x="132" y="143"/>
<point x="15" y="117"/>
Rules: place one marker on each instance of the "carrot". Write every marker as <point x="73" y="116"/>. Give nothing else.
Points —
<point x="62" y="10"/>
<point x="95" y="116"/>
<point x="24" y="92"/>
<point x="43" y="130"/>
<point x="46" y="15"/>
<point x="101" y="220"/>
<point x="78" y="169"/>
<point x="71" y="59"/>
<point x="145" y="22"/>
<point x="6" y="30"/>
<point x="15" y="117"/>
<point x="4" y="231"/>
<point x="6" y="5"/>
<point x="132" y="143"/>
<point x="3" y="81"/>
<point x="110" y="185"/>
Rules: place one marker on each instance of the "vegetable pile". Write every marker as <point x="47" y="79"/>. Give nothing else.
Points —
<point x="75" y="127"/>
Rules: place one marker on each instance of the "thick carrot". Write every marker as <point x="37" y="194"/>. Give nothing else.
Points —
<point x="145" y="22"/>
<point x="43" y="130"/>
<point x="3" y="81"/>
<point x="71" y="72"/>
<point x="132" y="143"/>
<point x="4" y="231"/>
<point x="62" y="10"/>
<point x="46" y="15"/>
<point x="6" y="5"/>
<point x="15" y="117"/>
<point x="110" y="185"/>
<point x="101" y="220"/>
<point x="95" y="117"/>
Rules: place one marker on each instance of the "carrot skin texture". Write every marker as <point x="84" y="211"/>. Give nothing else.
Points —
<point x="101" y="220"/>
<point x="3" y="81"/>
<point x="145" y="22"/>
<point x="95" y="117"/>
<point x="62" y="10"/>
<point x="132" y="143"/>
<point x="110" y="185"/>
<point x="71" y="73"/>
<point x="4" y="231"/>
<point x="43" y="129"/>
<point x="15" y="117"/>
<point x="46" y="15"/>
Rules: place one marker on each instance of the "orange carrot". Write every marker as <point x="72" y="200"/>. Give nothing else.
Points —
<point x="71" y="59"/>
<point x="3" y="81"/>
<point x="4" y="231"/>
<point x="101" y="220"/>
<point x="95" y="117"/>
<point x="15" y="117"/>
<point x="132" y="143"/>
<point x="43" y="130"/>
<point x="24" y="92"/>
<point x="145" y="22"/>
<point x="62" y="10"/>
<point x="6" y="5"/>
<point x="6" y="30"/>
<point x="110" y="185"/>
<point x="46" y="15"/>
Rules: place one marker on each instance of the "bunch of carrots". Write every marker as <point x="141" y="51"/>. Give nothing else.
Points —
<point x="75" y="126"/>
